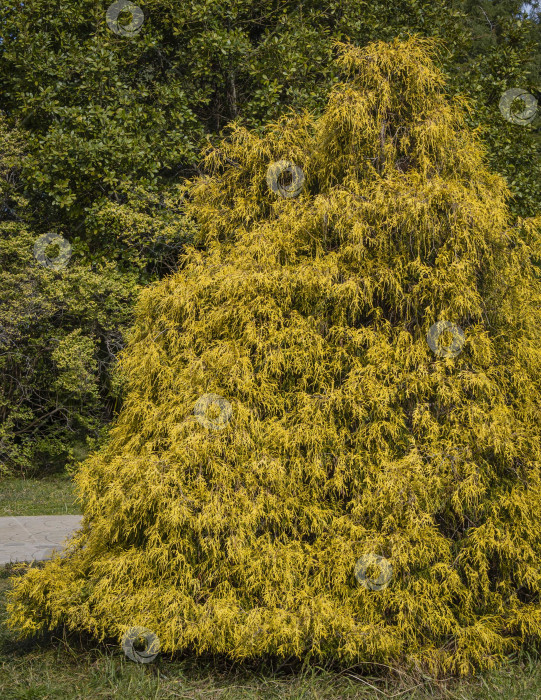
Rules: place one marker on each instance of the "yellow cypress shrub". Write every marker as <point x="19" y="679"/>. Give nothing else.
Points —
<point x="330" y="441"/>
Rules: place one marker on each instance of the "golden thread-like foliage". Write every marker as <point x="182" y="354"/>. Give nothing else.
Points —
<point x="348" y="436"/>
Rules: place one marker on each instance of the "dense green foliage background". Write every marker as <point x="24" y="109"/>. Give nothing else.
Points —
<point x="100" y="131"/>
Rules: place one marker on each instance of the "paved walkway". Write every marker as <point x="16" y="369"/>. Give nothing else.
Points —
<point x="27" y="538"/>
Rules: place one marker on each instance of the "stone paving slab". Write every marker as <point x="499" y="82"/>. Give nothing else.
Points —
<point x="27" y="538"/>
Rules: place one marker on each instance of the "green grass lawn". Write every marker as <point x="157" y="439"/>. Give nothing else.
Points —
<point x="51" y="495"/>
<point x="62" y="667"/>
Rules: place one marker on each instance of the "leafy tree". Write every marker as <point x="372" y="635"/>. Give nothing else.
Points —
<point x="304" y="465"/>
<point x="504" y="53"/>
<point x="107" y="113"/>
<point x="60" y="329"/>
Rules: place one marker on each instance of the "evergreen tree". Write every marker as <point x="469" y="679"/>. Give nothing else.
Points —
<point x="330" y="442"/>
